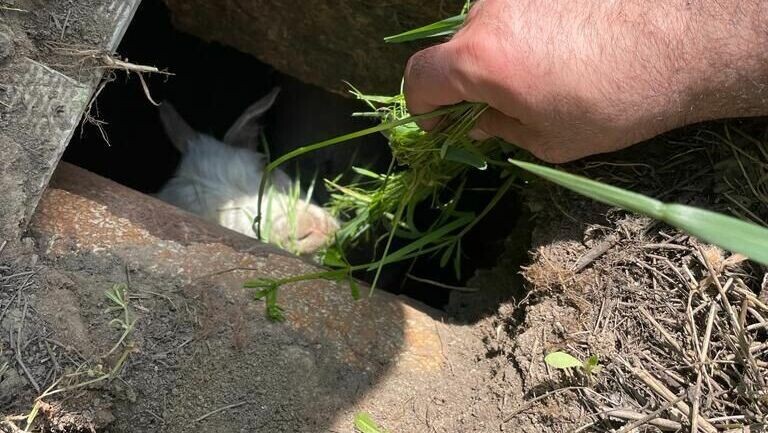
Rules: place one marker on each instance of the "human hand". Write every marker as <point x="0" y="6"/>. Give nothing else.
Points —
<point x="570" y="78"/>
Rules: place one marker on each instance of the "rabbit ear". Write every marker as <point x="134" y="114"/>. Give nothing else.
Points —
<point x="177" y="129"/>
<point x="245" y="131"/>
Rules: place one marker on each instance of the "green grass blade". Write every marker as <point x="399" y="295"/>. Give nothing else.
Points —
<point x="466" y="156"/>
<point x="354" y="288"/>
<point x="436" y="235"/>
<point x="444" y="27"/>
<point x="491" y="204"/>
<point x="562" y="360"/>
<point x="447" y="254"/>
<point x="722" y="230"/>
<point x="365" y="424"/>
<point x="357" y="134"/>
<point x="596" y="190"/>
<point x="367" y="173"/>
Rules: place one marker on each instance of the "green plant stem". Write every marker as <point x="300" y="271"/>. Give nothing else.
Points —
<point x="128" y="329"/>
<point x="322" y="275"/>
<point x="404" y="253"/>
<point x="395" y="224"/>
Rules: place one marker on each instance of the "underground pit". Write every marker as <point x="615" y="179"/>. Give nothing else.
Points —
<point x="121" y="138"/>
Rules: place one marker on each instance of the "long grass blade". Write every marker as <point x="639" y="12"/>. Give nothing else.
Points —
<point x="722" y="230"/>
<point x="444" y="27"/>
<point x="433" y="236"/>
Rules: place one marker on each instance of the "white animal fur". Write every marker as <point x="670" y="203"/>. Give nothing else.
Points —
<point x="220" y="182"/>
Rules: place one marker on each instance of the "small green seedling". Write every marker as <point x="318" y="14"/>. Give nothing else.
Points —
<point x="119" y="298"/>
<point x="592" y="365"/>
<point x="268" y="292"/>
<point x="564" y="361"/>
<point x="365" y="424"/>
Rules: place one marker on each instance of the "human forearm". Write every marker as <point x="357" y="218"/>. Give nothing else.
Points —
<point x="729" y="78"/>
<point x="570" y="78"/>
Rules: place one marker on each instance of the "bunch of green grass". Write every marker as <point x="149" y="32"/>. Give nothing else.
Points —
<point x="426" y="164"/>
<point x="427" y="168"/>
<point x="423" y="166"/>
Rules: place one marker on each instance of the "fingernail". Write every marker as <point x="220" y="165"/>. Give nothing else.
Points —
<point x="478" y="134"/>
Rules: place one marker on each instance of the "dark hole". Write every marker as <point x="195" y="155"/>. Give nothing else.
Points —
<point x="210" y="87"/>
<point x="211" y="84"/>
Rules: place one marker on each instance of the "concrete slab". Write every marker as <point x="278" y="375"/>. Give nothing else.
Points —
<point x="42" y="97"/>
<point x="379" y="354"/>
<point x="320" y="42"/>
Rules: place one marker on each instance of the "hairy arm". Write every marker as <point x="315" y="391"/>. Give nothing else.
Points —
<point x="731" y="39"/>
<point x="570" y="78"/>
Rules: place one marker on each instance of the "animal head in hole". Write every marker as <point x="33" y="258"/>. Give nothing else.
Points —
<point x="220" y="181"/>
<point x="305" y="229"/>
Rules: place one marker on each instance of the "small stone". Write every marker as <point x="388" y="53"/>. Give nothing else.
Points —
<point x="103" y="417"/>
<point x="6" y="47"/>
<point x="11" y="384"/>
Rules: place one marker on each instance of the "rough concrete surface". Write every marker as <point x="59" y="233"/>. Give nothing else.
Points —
<point x="201" y="342"/>
<point x="44" y="92"/>
<point x="319" y="42"/>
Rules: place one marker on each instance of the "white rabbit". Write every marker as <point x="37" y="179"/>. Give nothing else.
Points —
<point x="219" y="180"/>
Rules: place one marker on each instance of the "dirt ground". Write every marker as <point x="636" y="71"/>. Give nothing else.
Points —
<point x="674" y="322"/>
<point x="599" y="282"/>
<point x="193" y="347"/>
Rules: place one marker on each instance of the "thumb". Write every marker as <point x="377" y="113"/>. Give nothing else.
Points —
<point x="431" y="81"/>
